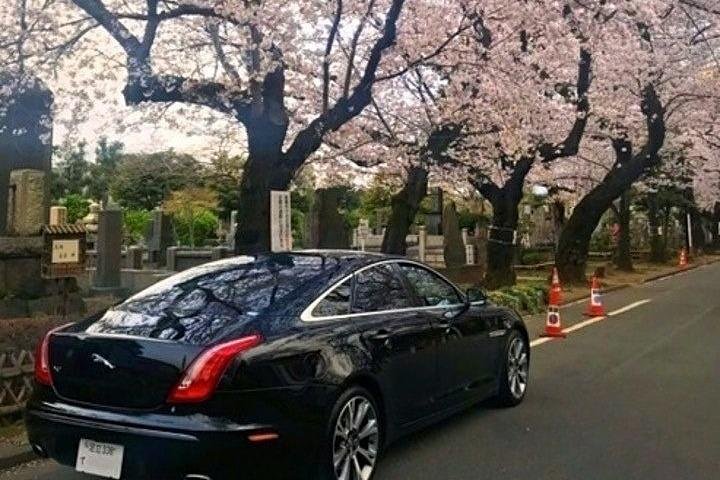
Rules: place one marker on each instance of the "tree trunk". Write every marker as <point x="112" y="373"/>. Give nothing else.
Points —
<point x="265" y="170"/>
<point x="715" y="227"/>
<point x="502" y="236"/>
<point x="623" y="254"/>
<point x="405" y="205"/>
<point x="658" y="247"/>
<point x="558" y="219"/>
<point x="572" y="253"/>
<point x="501" y="242"/>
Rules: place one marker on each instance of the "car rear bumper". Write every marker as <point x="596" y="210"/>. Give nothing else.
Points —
<point x="212" y="449"/>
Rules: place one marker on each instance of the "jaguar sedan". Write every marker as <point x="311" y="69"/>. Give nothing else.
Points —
<point x="295" y="365"/>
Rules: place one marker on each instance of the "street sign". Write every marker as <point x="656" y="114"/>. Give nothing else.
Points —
<point x="64" y="251"/>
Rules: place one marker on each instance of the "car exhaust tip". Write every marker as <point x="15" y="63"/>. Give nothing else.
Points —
<point x="39" y="450"/>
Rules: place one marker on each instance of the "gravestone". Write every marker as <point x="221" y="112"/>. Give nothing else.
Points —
<point x="107" y="278"/>
<point x="25" y="134"/>
<point x="453" y="247"/>
<point x="161" y="238"/>
<point x="327" y="226"/>
<point x="434" y="217"/>
<point x="26" y="204"/>
<point x="134" y="258"/>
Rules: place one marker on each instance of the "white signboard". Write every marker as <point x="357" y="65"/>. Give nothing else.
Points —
<point x="280" y="222"/>
<point x="65" y="251"/>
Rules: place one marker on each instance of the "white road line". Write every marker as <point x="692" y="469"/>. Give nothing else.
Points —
<point x="584" y="324"/>
<point x="540" y="341"/>
<point x="629" y="307"/>
<point x="592" y="321"/>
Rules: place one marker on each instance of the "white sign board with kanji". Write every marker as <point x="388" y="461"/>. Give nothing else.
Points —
<point x="65" y="251"/>
<point x="280" y="222"/>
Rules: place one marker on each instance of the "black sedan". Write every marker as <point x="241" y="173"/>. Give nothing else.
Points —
<point x="296" y="365"/>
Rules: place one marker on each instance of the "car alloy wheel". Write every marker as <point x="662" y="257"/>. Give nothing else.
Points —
<point x="517" y="368"/>
<point x="356" y="440"/>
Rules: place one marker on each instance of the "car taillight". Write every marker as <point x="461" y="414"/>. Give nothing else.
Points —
<point x="42" y="358"/>
<point x="202" y="378"/>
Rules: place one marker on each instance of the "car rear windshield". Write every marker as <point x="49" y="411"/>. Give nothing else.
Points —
<point x="199" y="305"/>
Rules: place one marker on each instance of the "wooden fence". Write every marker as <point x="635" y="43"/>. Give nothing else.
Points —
<point x="16" y="377"/>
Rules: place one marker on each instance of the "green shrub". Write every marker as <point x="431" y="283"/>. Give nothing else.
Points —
<point x="77" y="206"/>
<point x="505" y="299"/>
<point x="523" y="298"/>
<point x="196" y="230"/>
<point x="533" y="257"/>
<point x="135" y="225"/>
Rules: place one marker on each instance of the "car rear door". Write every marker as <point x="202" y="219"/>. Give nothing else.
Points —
<point x="401" y="339"/>
<point x="466" y="352"/>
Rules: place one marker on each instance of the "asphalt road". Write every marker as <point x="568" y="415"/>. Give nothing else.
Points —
<point x="635" y="396"/>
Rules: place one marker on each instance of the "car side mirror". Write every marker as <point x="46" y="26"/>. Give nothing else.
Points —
<point x="476" y="296"/>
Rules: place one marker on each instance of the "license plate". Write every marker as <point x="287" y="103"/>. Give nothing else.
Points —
<point x="101" y="459"/>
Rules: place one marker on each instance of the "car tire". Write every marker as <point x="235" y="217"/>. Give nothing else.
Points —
<point x="347" y="448"/>
<point x="515" y="371"/>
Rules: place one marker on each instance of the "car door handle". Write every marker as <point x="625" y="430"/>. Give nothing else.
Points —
<point x="381" y="336"/>
<point x="445" y="325"/>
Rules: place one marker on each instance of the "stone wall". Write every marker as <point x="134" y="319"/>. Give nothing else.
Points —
<point x="20" y="266"/>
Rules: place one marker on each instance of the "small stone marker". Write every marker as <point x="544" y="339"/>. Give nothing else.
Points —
<point x="58" y="216"/>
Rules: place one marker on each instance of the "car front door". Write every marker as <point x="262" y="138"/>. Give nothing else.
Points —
<point x="401" y="339"/>
<point x="466" y="352"/>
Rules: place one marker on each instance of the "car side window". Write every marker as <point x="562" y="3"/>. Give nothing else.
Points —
<point x="337" y="302"/>
<point x="432" y="289"/>
<point x="379" y="288"/>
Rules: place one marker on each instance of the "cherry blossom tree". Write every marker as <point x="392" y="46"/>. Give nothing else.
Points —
<point x="642" y="103"/>
<point x="288" y="72"/>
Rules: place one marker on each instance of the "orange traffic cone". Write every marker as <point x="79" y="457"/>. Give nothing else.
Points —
<point x="683" y="259"/>
<point x="555" y="289"/>
<point x="553" y="324"/>
<point x="596" y="307"/>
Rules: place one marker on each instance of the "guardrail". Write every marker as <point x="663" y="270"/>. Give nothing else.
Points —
<point x="16" y="376"/>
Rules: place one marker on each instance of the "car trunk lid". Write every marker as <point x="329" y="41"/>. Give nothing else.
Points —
<point x="116" y="371"/>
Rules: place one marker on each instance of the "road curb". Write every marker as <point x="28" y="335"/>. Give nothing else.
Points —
<point x="678" y="272"/>
<point x="15" y="455"/>
<point x="615" y="288"/>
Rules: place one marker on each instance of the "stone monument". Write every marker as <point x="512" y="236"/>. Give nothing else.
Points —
<point x="27" y="209"/>
<point x="107" y="279"/>
<point x="25" y="163"/>
<point x="434" y="217"/>
<point x="25" y="137"/>
<point x="161" y="238"/>
<point x="327" y="227"/>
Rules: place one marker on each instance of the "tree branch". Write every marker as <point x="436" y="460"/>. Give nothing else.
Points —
<point x="309" y="140"/>
<point x="571" y="145"/>
<point x="328" y="51"/>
